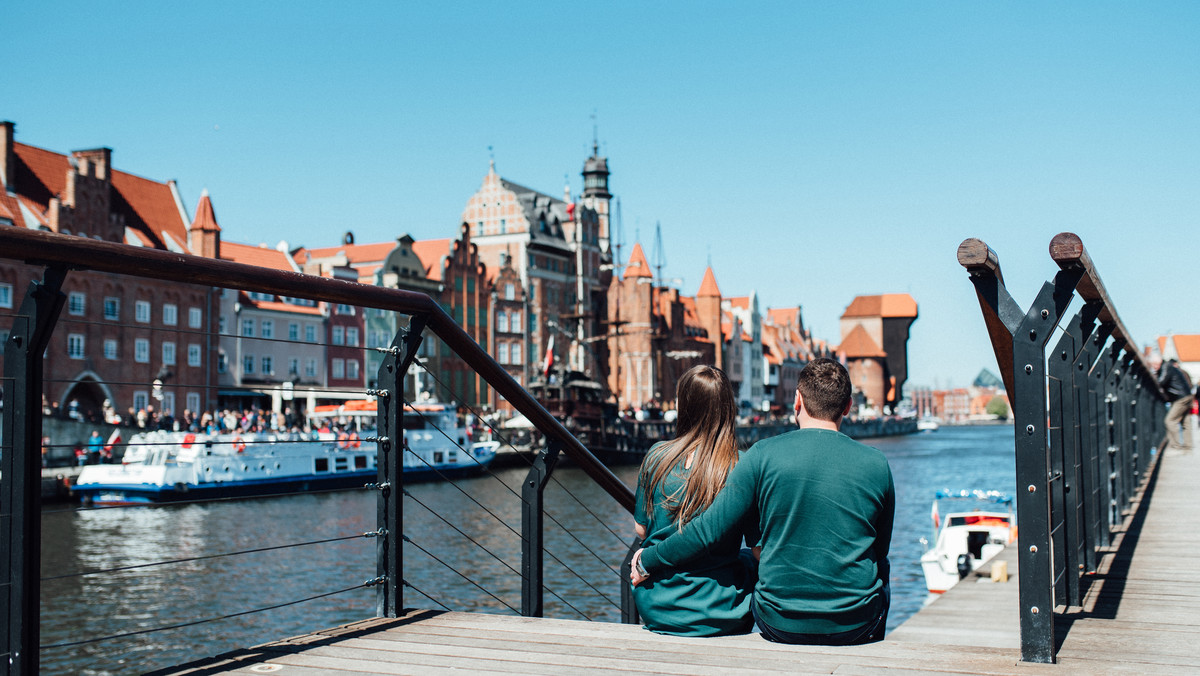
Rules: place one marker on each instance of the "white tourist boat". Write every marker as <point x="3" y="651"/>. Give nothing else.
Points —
<point x="175" y="466"/>
<point x="928" y="424"/>
<point x="964" y="540"/>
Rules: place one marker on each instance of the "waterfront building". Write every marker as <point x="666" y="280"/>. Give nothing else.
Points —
<point x="786" y="349"/>
<point x="271" y="348"/>
<point x="509" y="337"/>
<point x="750" y="394"/>
<point x="560" y="250"/>
<point x="115" y="336"/>
<point x="875" y="346"/>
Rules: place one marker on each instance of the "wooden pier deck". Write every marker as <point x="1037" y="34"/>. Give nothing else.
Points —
<point x="1141" y="615"/>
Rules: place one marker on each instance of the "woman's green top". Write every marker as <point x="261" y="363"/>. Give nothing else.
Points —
<point x="708" y="598"/>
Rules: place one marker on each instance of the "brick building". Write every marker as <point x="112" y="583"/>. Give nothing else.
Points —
<point x="116" y="334"/>
<point x="875" y="346"/>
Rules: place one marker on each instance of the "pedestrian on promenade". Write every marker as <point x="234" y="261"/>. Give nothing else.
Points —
<point x="94" y="444"/>
<point x="678" y="480"/>
<point x="1176" y="384"/>
<point x="824" y="504"/>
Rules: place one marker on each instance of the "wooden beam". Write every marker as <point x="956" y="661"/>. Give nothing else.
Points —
<point x="984" y="266"/>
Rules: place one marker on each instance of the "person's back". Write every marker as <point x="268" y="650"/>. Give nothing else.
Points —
<point x="677" y="481"/>
<point x="826" y="505"/>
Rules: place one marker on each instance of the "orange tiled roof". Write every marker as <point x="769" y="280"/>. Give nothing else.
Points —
<point x="374" y="252"/>
<point x="885" y="305"/>
<point x="784" y="316"/>
<point x="637" y="267"/>
<point x="255" y="255"/>
<point x="431" y="252"/>
<point x="1187" y="346"/>
<point x="205" y="218"/>
<point x="740" y="302"/>
<point x="858" y="344"/>
<point x="708" y="285"/>
<point x="278" y="306"/>
<point x="148" y="206"/>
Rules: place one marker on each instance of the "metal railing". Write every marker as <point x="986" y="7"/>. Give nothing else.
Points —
<point x="33" y="322"/>
<point x="1087" y="418"/>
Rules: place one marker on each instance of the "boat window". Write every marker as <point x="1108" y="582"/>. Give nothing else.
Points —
<point x="439" y="456"/>
<point x="414" y="422"/>
<point x="451" y="456"/>
<point x="341" y="464"/>
<point x="322" y="465"/>
<point x="360" y="462"/>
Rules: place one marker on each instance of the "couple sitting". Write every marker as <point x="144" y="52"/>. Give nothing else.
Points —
<point x="815" y="505"/>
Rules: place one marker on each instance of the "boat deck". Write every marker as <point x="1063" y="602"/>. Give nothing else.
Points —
<point x="1139" y="617"/>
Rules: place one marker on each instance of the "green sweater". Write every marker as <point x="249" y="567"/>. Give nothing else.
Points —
<point x="825" y="505"/>
<point x="708" y="597"/>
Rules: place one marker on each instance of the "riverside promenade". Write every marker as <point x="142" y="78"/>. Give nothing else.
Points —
<point x="1138" y="616"/>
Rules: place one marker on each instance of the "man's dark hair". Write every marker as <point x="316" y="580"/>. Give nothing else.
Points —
<point x="825" y="387"/>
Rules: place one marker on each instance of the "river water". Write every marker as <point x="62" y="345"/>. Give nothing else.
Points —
<point x="471" y="525"/>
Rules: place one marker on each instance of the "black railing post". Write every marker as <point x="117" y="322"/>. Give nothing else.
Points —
<point x="1111" y="466"/>
<point x="532" y="522"/>
<point x="20" y="467"/>
<point x="390" y="467"/>
<point x="1092" y="442"/>
<point x="629" y="611"/>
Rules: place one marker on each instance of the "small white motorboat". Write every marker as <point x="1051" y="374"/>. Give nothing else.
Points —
<point x="964" y="540"/>
<point x="928" y="424"/>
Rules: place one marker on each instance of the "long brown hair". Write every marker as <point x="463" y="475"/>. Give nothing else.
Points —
<point x="706" y="426"/>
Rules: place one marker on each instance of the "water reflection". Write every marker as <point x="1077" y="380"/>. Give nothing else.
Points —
<point x="581" y="568"/>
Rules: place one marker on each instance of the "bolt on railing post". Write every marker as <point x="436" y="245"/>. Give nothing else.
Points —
<point x="390" y="467"/>
<point x="532" y="521"/>
<point x="20" y="466"/>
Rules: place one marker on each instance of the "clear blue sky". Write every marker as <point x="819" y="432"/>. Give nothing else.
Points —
<point x="815" y="151"/>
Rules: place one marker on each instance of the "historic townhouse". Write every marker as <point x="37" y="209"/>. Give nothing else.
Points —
<point x="875" y="346"/>
<point x="116" y="334"/>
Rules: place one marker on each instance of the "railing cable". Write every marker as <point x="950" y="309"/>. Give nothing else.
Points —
<point x="460" y="574"/>
<point x="426" y="595"/>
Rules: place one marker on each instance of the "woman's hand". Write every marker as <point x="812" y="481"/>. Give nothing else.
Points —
<point x="634" y="564"/>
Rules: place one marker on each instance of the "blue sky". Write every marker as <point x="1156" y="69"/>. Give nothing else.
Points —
<point x="812" y="151"/>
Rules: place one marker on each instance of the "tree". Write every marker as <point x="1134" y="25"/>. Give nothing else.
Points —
<point x="998" y="407"/>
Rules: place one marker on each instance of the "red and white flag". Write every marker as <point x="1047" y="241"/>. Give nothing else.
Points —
<point x="113" y="439"/>
<point x="549" y="358"/>
<point x="937" y="521"/>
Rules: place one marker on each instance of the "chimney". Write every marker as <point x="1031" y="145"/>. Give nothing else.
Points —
<point x="9" y="167"/>
<point x="96" y="163"/>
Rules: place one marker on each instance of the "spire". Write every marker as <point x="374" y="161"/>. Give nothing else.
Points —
<point x="637" y="267"/>
<point x="708" y="286"/>
<point x="205" y="218"/>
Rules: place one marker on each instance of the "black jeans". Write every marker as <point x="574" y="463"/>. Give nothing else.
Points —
<point x="868" y="633"/>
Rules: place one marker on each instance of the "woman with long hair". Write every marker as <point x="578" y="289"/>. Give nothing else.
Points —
<point x="678" y="480"/>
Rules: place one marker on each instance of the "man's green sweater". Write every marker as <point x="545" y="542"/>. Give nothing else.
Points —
<point x="826" y="504"/>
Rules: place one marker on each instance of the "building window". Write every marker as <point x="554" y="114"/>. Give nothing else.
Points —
<point x="193" y="354"/>
<point x="193" y="402"/>
<point x="268" y="366"/>
<point x="168" y="353"/>
<point x="248" y="328"/>
<point x="112" y="308"/>
<point x="195" y="321"/>
<point x="352" y="369"/>
<point x="293" y="367"/>
<point x="268" y="328"/>
<point x="339" y="368"/>
<point x="75" y="346"/>
<point x="6" y="295"/>
<point x="141" y="351"/>
<point x="343" y="309"/>
<point x="502" y="322"/>
<point x="170" y="314"/>
<point x="352" y="336"/>
<point x="502" y="353"/>
<point x="339" y="335"/>
<point x="510" y="292"/>
<point x="293" y="331"/>
<point x="221" y="325"/>
<point x="248" y="364"/>
<point x="141" y="311"/>
<point x="222" y="362"/>
<point x="516" y="353"/>
<point x="516" y="321"/>
<point x="310" y="333"/>
<point x="310" y="367"/>
<point x="76" y="303"/>
<point x="168" y="403"/>
<point x="140" y="399"/>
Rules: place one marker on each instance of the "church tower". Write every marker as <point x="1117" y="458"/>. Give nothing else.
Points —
<point x="596" y="195"/>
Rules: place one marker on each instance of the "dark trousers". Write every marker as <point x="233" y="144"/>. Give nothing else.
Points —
<point x="868" y="633"/>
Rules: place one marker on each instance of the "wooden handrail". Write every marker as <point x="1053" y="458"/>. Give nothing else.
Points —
<point x="38" y="247"/>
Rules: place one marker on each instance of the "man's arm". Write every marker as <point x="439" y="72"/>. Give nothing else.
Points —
<point x="722" y="517"/>
<point x="883" y="536"/>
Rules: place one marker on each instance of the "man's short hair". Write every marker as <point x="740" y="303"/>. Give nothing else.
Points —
<point x="825" y="387"/>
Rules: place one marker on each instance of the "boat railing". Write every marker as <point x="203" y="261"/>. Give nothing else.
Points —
<point x="56" y="264"/>
<point x="1088" y="416"/>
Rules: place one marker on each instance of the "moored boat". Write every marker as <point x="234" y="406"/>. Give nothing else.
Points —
<point x="177" y="466"/>
<point x="964" y="540"/>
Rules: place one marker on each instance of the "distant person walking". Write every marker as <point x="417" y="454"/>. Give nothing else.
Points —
<point x="1176" y="384"/>
<point x="95" y="443"/>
